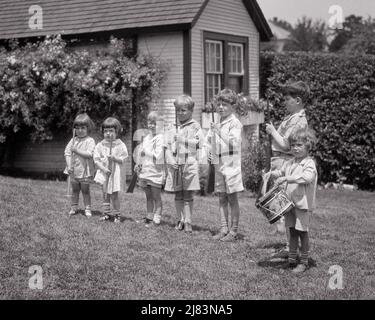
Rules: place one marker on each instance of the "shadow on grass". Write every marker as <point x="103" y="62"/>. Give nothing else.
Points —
<point x="278" y="263"/>
<point x="277" y="246"/>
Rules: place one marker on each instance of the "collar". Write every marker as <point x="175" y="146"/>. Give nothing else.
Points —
<point x="303" y="161"/>
<point x="228" y="119"/>
<point x="187" y="123"/>
<point x="301" y="114"/>
<point x="115" y="142"/>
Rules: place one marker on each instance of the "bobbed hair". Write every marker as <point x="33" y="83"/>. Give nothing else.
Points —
<point x="306" y="136"/>
<point x="112" y="122"/>
<point x="83" y="119"/>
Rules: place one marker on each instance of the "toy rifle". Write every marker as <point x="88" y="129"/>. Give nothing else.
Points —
<point x="71" y="163"/>
<point x="211" y="174"/>
<point x="110" y="167"/>
<point x="177" y="176"/>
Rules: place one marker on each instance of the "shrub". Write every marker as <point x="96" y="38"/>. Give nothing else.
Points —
<point x="341" y="110"/>
<point x="44" y="85"/>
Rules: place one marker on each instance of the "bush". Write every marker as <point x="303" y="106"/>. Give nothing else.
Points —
<point x="44" y="85"/>
<point x="341" y="110"/>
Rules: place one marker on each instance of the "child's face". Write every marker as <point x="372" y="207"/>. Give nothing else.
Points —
<point x="81" y="131"/>
<point x="225" y="109"/>
<point x="183" y="113"/>
<point x="109" y="134"/>
<point x="151" y="125"/>
<point x="292" y="104"/>
<point x="299" y="149"/>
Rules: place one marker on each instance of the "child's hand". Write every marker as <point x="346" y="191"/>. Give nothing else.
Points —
<point x="280" y="180"/>
<point x="70" y="170"/>
<point x="107" y="172"/>
<point x="74" y="149"/>
<point x="215" y="128"/>
<point x="270" y="128"/>
<point x="138" y="168"/>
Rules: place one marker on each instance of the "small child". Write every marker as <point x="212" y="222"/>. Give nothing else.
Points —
<point x="150" y="169"/>
<point x="227" y="160"/>
<point x="295" y="97"/>
<point x="79" y="162"/>
<point x="182" y="158"/>
<point x="300" y="174"/>
<point x="109" y="157"/>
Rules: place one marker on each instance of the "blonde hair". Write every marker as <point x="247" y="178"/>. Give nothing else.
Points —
<point x="184" y="100"/>
<point x="154" y="116"/>
<point x="306" y="136"/>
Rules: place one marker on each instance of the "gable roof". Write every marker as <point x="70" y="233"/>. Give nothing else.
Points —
<point x="71" y="17"/>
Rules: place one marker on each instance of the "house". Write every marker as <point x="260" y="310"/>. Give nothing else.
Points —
<point x="209" y="44"/>
<point x="280" y="38"/>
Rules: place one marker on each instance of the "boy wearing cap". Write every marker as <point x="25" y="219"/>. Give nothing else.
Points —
<point x="295" y="97"/>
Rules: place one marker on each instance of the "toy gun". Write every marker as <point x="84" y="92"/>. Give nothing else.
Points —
<point x="211" y="174"/>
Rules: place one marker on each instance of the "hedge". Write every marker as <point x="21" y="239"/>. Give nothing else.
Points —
<point x="341" y="110"/>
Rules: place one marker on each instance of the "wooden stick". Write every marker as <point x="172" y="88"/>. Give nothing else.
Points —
<point x="69" y="193"/>
<point x="110" y="168"/>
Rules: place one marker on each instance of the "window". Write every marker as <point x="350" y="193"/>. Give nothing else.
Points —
<point x="214" y="67"/>
<point x="225" y="65"/>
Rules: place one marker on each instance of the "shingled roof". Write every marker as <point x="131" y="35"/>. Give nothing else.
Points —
<point x="70" y="17"/>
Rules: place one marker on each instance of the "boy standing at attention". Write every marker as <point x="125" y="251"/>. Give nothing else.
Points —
<point x="182" y="159"/>
<point x="227" y="160"/>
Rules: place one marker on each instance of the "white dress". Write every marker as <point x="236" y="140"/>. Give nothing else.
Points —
<point x="117" y="179"/>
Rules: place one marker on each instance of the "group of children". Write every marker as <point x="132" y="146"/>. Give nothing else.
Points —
<point x="171" y="159"/>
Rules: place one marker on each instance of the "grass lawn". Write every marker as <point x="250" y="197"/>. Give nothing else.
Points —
<point x="86" y="259"/>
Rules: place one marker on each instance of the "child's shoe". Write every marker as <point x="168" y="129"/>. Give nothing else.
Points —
<point x="105" y="217"/>
<point x="188" y="228"/>
<point x="156" y="220"/>
<point x="147" y="222"/>
<point x="72" y="212"/>
<point x="179" y="226"/>
<point x="230" y="237"/>
<point x="300" y="268"/>
<point x="117" y="219"/>
<point x="88" y="213"/>
<point x="220" y="235"/>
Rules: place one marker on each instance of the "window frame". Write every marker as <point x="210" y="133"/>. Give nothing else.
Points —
<point x="226" y="40"/>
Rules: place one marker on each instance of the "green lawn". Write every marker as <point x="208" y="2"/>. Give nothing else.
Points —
<point x="87" y="259"/>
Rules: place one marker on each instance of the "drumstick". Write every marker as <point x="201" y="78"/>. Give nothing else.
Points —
<point x="211" y="175"/>
<point x="69" y="193"/>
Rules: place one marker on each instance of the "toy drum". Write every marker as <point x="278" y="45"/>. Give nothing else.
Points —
<point x="274" y="204"/>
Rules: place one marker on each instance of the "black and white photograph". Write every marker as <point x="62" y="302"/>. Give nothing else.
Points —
<point x="187" y="154"/>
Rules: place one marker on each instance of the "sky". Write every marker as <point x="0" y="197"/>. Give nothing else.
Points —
<point x="292" y="10"/>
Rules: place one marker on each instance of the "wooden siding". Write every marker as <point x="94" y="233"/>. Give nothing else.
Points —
<point x="168" y="47"/>
<point x="48" y="157"/>
<point x="227" y="17"/>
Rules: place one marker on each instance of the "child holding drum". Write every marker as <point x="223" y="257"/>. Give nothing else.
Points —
<point x="295" y="97"/>
<point x="300" y="175"/>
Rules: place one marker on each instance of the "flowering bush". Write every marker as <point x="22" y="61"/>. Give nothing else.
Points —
<point x="44" y="85"/>
<point x="243" y="104"/>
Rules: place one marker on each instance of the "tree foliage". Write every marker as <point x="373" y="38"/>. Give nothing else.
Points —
<point x="44" y="85"/>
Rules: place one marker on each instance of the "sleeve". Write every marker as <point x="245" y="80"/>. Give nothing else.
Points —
<point x="299" y="123"/>
<point x="67" y="151"/>
<point x="91" y="146"/>
<point x="97" y="153"/>
<point x="158" y="150"/>
<point x="235" y="137"/>
<point x="122" y="153"/>
<point x="308" y="174"/>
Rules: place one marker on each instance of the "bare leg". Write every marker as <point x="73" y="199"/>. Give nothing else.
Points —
<point x="75" y="197"/>
<point x="235" y="212"/>
<point x="150" y="203"/>
<point x="158" y="205"/>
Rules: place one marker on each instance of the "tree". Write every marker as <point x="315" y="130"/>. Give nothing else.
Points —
<point x="351" y="25"/>
<point x="363" y="39"/>
<point x="282" y="23"/>
<point x="308" y="36"/>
